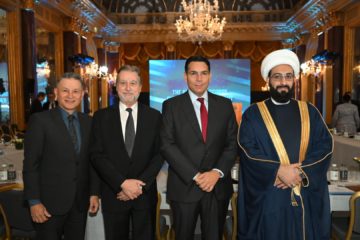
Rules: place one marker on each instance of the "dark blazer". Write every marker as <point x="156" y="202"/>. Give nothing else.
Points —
<point x="53" y="172"/>
<point x="187" y="154"/>
<point x="36" y="106"/>
<point x="111" y="160"/>
<point x="46" y="105"/>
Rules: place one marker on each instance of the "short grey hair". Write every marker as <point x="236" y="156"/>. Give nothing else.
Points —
<point x="73" y="76"/>
<point x="130" y="68"/>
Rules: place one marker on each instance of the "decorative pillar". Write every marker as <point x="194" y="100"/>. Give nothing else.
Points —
<point x="335" y="81"/>
<point x="349" y="49"/>
<point x="228" y="49"/>
<point x="28" y="43"/>
<point x="112" y="62"/>
<point x="16" y="84"/>
<point x="70" y="40"/>
<point x="170" y="50"/>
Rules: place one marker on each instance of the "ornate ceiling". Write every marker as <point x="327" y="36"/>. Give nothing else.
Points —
<point x="121" y="21"/>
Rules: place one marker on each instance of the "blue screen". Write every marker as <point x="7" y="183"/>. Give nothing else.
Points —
<point x="230" y="78"/>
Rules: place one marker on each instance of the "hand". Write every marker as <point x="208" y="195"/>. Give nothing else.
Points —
<point x="132" y="188"/>
<point x="94" y="204"/>
<point x="39" y="214"/>
<point x="289" y="175"/>
<point x="207" y="180"/>
<point x="122" y="196"/>
<point x="280" y="184"/>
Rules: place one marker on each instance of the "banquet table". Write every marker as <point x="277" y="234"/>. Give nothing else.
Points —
<point x="345" y="149"/>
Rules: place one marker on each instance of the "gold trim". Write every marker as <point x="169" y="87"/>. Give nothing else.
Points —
<point x="305" y="130"/>
<point x="274" y="134"/>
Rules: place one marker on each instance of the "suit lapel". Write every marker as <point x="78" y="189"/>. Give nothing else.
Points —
<point x="63" y="129"/>
<point x="117" y="127"/>
<point x="189" y="112"/>
<point x="211" y="116"/>
<point x="84" y="128"/>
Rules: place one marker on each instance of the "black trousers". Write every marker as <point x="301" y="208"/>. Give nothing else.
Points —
<point x="142" y="221"/>
<point x="212" y="215"/>
<point x="71" y="226"/>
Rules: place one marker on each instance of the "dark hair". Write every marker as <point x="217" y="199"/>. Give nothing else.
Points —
<point x="129" y="68"/>
<point x="346" y="97"/>
<point x="196" y="59"/>
<point x="74" y="76"/>
<point x="40" y="94"/>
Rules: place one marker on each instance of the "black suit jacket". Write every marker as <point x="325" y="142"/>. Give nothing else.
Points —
<point x="36" y="106"/>
<point x="53" y="172"/>
<point x="187" y="154"/>
<point x="111" y="159"/>
<point x="46" y="105"/>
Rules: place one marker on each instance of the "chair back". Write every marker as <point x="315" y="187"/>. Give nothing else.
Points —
<point x="4" y="225"/>
<point x="356" y="227"/>
<point x="161" y="227"/>
<point x="17" y="213"/>
<point x="354" y="223"/>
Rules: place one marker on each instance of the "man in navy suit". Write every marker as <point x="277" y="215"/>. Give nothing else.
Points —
<point x="59" y="182"/>
<point x="125" y="152"/>
<point x="199" y="143"/>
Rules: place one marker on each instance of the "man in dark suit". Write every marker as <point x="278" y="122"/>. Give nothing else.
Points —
<point x="36" y="105"/>
<point x="199" y="143"/>
<point x="125" y="152"/>
<point x="50" y="103"/>
<point x="59" y="182"/>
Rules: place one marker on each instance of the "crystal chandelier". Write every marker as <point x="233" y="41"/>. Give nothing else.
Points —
<point x="200" y="25"/>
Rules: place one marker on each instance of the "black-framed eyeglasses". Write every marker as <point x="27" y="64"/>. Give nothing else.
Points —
<point x="279" y="76"/>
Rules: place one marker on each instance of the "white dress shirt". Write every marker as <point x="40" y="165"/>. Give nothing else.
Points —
<point x="125" y="114"/>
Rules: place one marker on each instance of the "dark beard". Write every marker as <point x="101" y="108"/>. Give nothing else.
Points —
<point x="283" y="96"/>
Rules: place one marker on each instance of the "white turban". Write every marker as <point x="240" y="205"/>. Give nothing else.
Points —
<point x="279" y="57"/>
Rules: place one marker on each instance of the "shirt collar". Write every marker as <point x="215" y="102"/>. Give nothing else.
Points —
<point x="194" y="97"/>
<point x="65" y="114"/>
<point x="278" y="103"/>
<point x="123" y="107"/>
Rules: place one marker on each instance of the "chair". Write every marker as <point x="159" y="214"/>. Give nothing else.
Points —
<point x="231" y="222"/>
<point x="161" y="227"/>
<point x="18" y="214"/>
<point x="348" y="228"/>
<point x="4" y="225"/>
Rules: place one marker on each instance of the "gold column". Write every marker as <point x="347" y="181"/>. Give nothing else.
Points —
<point x="59" y="55"/>
<point x="104" y="93"/>
<point x="328" y="90"/>
<point x="93" y="95"/>
<point x="349" y="33"/>
<point x="16" y="85"/>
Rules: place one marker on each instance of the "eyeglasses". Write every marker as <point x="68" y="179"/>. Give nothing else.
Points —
<point x="278" y="77"/>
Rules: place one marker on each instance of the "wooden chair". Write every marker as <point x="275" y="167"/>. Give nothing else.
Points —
<point x="4" y="225"/>
<point x="18" y="215"/>
<point x="231" y="222"/>
<point x="348" y="228"/>
<point x="161" y="227"/>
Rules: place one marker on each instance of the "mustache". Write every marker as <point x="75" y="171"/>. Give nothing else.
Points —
<point x="283" y="86"/>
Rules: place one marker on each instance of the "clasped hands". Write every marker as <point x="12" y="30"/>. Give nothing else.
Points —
<point x="288" y="176"/>
<point x="131" y="189"/>
<point x="207" y="180"/>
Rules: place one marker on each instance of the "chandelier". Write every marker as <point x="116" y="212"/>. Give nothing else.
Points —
<point x="200" y="25"/>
